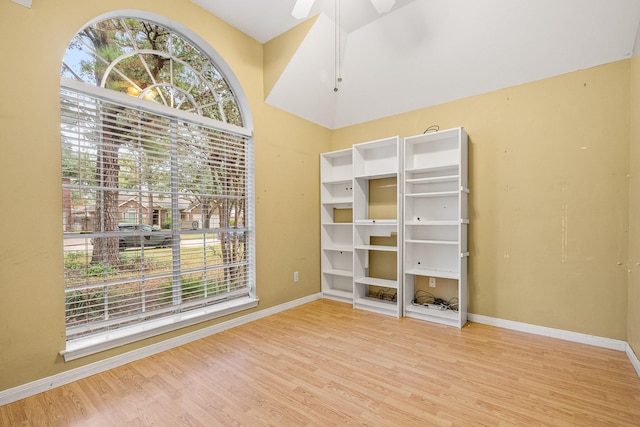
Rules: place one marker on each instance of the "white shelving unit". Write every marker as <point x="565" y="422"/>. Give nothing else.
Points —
<point x="435" y="227"/>
<point x="377" y="236"/>
<point x="336" y="204"/>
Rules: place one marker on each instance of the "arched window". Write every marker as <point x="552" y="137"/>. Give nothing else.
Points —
<point x="151" y="130"/>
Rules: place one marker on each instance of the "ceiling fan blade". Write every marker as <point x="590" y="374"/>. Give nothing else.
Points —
<point x="302" y="8"/>
<point x="383" y="6"/>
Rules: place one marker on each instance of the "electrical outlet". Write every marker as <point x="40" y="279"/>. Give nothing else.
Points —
<point x="296" y="277"/>
<point x="432" y="282"/>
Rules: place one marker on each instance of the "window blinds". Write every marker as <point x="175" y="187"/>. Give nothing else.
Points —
<point x="155" y="209"/>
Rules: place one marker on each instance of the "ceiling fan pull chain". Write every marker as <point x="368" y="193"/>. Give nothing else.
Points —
<point x="336" y="76"/>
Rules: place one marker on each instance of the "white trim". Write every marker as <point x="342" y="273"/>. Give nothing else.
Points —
<point x="152" y="107"/>
<point x="550" y="332"/>
<point x="634" y="359"/>
<point x="95" y="343"/>
<point x="48" y="383"/>
<point x="560" y="334"/>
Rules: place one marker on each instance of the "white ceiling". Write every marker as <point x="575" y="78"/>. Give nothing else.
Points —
<point x="427" y="52"/>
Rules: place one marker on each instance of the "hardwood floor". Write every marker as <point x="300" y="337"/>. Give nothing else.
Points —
<point x="326" y="364"/>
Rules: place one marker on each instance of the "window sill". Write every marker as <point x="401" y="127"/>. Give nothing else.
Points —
<point x="86" y="346"/>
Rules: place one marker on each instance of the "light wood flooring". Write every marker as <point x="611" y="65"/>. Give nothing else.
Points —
<point x="325" y="364"/>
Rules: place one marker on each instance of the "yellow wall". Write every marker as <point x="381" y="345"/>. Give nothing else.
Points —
<point x="633" y="322"/>
<point x="549" y="196"/>
<point x="33" y="42"/>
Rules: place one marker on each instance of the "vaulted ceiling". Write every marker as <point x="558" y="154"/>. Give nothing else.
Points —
<point x="427" y="52"/>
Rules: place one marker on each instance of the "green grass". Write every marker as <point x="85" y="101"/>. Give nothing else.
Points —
<point x="156" y="261"/>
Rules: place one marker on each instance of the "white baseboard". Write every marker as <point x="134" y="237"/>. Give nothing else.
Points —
<point x="550" y="332"/>
<point x="560" y="334"/>
<point x="634" y="359"/>
<point x="48" y="383"/>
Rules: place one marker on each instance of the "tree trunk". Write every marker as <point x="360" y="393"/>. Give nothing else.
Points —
<point x="206" y="215"/>
<point x="106" y="249"/>
<point x="150" y="210"/>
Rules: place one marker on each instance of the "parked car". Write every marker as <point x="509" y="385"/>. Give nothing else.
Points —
<point x="152" y="237"/>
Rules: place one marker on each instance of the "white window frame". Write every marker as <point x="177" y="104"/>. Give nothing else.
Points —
<point x="98" y="342"/>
